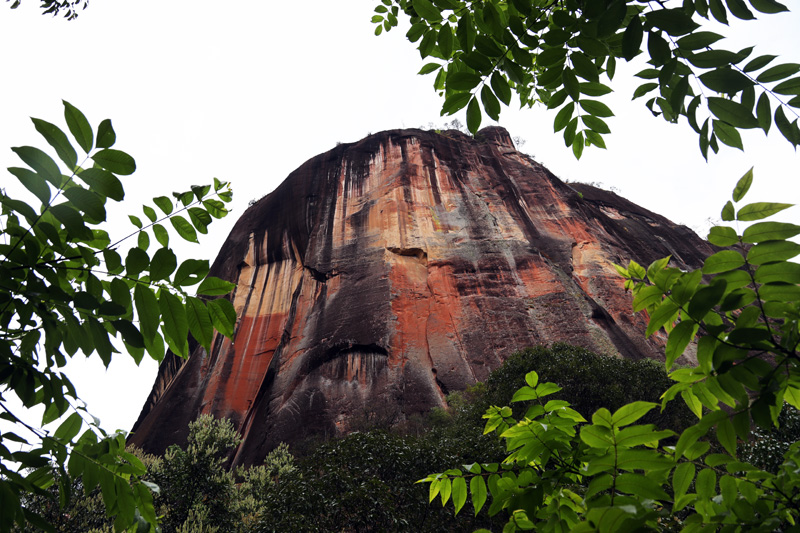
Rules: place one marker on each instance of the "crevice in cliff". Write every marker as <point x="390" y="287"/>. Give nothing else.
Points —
<point x="418" y="253"/>
<point x="442" y="387"/>
<point x="340" y="350"/>
<point x="321" y="276"/>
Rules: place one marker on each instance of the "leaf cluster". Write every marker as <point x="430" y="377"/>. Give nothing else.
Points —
<point x="67" y="287"/>
<point x="563" y="472"/>
<point x="67" y="8"/>
<point x="564" y="56"/>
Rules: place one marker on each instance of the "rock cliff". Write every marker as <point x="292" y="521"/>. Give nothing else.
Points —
<point x="383" y="274"/>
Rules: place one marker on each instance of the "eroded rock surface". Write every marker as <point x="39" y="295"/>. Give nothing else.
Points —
<point x="383" y="274"/>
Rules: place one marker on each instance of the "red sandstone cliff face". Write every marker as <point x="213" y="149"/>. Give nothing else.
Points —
<point x="385" y="273"/>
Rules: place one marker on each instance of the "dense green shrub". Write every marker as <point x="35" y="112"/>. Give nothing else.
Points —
<point x="588" y="381"/>
<point x="365" y="482"/>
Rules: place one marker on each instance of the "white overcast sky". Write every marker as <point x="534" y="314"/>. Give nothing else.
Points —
<point x="248" y="90"/>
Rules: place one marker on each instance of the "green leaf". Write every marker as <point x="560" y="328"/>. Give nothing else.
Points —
<point x="200" y="325"/>
<point x="550" y="56"/>
<point x="768" y="6"/>
<point x="641" y="486"/>
<point x="58" y="140"/>
<point x="72" y="221"/>
<point x="630" y="413"/>
<point x="88" y="202"/>
<point x="462" y="81"/>
<point x="733" y="113"/>
<point x="673" y="21"/>
<point x="778" y="72"/>
<point x="192" y="271"/>
<point x="759" y="63"/>
<point x="429" y="67"/>
<point x="769" y="231"/>
<point x="665" y="313"/>
<point x="103" y="182"/>
<point x="176" y="325"/>
<point x="584" y="67"/>
<point x="632" y="39"/>
<point x="478" y="61"/>
<point x="682" y="479"/>
<point x="445" y="41"/>
<point x="728" y="213"/>
<point x="150" y="213"/>
<point x="184" y="228"/>
<point x="223" y="316"/>
<point x="78" y="126"/>
<point x="698" y="40"/>
<point x="678" y="340"/>
<point x="490" y="103"/>
<point x="571" y="84"/>
<point x="115" y="161"/>
<point x="713" y="58"/>
<point x="477" y="487"/>
<point x="427" y="10"/>
<point x="595" y="124"/>
<point x="726" y="80"/>
<point x="718" y="11"/>
<point x="473" y="116"/>
<point x="706" y="483"/>
<point x="163" y="203"/>
<point x="501" y="88"/>
<point x="453" y="103"/>
<point x="763" y="113"/>
<point x="759" y="210"/>
<point x="594" y="89"/>
<point x="459" y="493"/>
<point x="728" y="135"/>
<point x="788" y="130"/>
<point x="212" y="286"/>
<point x="143" y="240"/>
<point x="161" y="234"/>
<point x="596" y="108"/>
<point x="33" y="182"/>
<point x="722" y="236"/>
<point x="611" y="20"/>
<point x="727" y="436"/>
<point x="743" y="185"/>
<point x="106" y="137"/>
<point x="563" y="116"/>
<point x="42" y="163"/>
<point x="592" y="137"/>
<point x="148" y="312"/>
<point x="739" y="9"/>
<point x="772" y="251"/>
<point x="643" y="89"/>
<point x="163" y="264"/>
<point x="578" y="145"/>
<point x="790" y="87"/>
<point x="723" y="261"/>
<point x="646" y="297"/>
<point x="784" y="272"/>
<point x="658" y="48"/>
<point x="69" y="428"/>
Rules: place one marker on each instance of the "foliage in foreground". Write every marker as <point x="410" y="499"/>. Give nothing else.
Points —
<point x="363" y="482"/>
<point x="563" y="472"/>
<point x="66" y="8"/>
<point x="564" y="55"/>
<point x="68" y="287"/>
